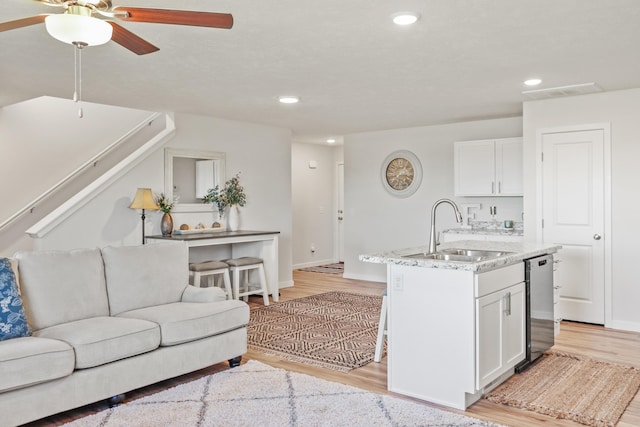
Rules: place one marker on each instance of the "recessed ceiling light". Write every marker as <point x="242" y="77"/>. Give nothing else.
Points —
<point x="405" y="18"/>
<point x="331" y="141"/>
<point x="289" y="99"/>
<point x="532" y="82"/>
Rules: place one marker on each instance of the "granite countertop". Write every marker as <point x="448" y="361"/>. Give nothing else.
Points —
<point x="489" y="228"/>
<point x="499" y="231"/>
<point x="519" y="252"/>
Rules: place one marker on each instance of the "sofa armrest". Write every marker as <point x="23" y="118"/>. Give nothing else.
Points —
<point x="195" y="294"/>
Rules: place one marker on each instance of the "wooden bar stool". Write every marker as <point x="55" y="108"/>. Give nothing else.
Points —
<point x="244" y="265"/>
<point x="382" y="329"/>
<point x="211" y="269"/>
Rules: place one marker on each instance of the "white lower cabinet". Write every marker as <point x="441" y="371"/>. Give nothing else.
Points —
<point x="452" y="332"/>
<point x="500" y="333"/>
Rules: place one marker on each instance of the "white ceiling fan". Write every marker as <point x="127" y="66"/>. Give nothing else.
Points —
<point x="92" y="22"/>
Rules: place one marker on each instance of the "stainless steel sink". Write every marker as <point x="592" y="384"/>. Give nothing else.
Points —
<point x="475" y="253"/>
<point x="459" y="255"/>
<point x="444" y="257"/>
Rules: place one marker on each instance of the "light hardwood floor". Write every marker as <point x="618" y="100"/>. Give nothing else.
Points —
<point x="594" y="341"/>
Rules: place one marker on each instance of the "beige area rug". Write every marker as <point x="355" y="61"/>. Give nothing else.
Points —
<point x="572" y="387"/>
<point x="335" y="330"/>
<point x="337" y="268"/>
<point x="256" y="394"/>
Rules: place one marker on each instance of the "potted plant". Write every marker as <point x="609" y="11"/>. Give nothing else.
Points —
<point x="230" y="196"/>
<point x="165" y="204"/>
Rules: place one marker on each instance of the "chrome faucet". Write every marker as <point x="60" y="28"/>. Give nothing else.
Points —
<point x="432" y="232"/>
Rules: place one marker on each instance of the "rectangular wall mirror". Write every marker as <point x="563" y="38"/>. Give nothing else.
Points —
<point x="189" y="174"/>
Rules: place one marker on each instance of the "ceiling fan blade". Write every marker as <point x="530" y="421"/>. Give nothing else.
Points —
<point x="127" y="39"/>
<point x="24" y="22"/>
<point x="177" y="17"/>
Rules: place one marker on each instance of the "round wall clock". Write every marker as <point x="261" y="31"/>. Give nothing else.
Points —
<point x="401" y="173"/>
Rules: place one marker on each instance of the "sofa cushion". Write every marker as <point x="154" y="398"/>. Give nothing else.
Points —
<point x="13" y="322"/>
<point x="30" y="360"/>
<point x="186" y="321"/>
<point x="195" y="294"/>
<point x="62" y="286"/>
<point x="101" y="340"/>
<point x="146" y="275"/>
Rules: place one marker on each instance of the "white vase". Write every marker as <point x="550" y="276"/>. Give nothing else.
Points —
<point x="233" y="218"/>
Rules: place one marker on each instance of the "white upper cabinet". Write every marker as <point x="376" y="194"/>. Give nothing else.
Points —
<point x="488" y="167"/>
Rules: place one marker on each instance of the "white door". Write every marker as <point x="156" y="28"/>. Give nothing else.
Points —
<point x="340" y="213"/>
<point x="573" y="216"/>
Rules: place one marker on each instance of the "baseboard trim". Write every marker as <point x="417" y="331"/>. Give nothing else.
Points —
<point x="624" y="326"/>
<point x="286" y="284"/>
<point x="314" y="263"/>
<point x="368" y="278"/>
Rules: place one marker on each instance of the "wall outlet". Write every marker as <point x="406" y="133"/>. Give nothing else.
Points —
<point x="397" y="283"/>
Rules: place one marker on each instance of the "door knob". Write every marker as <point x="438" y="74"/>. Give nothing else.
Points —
<point x="597" y="236"/>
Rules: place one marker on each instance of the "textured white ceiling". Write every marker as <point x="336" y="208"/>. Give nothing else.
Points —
<point x="353" y="69"/>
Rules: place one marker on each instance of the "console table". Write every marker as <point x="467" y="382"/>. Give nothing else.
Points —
<point x="261" y="244"/>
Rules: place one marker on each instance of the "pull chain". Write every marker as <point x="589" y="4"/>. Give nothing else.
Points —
<point x="77" y="76"/>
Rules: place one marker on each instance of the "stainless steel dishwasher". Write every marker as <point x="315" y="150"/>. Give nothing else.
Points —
<point x="539" y="308"/>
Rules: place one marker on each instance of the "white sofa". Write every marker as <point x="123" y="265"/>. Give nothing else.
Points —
<point x="109" y="321"/>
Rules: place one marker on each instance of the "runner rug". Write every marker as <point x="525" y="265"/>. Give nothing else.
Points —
<point x="255" y="394"/>
<point x="337" y="268"/>
<point x="335" y="330"/>
<point x="573" y="387"/>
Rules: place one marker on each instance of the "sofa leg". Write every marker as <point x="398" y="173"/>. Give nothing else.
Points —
<point x="116" y="400"/>
<point x="235" y="361"/>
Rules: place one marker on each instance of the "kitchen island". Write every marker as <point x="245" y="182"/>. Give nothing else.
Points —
<point x="456" y="324"/>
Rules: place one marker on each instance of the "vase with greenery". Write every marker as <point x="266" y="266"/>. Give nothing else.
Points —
<point x="230" y="196"/>
<point x="165" y="204"/>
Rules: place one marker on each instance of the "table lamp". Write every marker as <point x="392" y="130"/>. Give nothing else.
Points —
<point x="144" y="200"/>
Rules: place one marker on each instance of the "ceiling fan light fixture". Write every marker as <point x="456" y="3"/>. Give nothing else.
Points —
<point x="71" y="29"/>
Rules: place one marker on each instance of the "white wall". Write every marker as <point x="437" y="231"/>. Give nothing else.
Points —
<point x="314" y="203"/>
<point x="620" y="109"/>
<point x="376" y="221"/>
<point x="43" y="140"/>
<point x="261" y="153"/>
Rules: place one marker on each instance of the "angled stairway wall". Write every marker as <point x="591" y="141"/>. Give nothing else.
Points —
<point x="54" y="162"/>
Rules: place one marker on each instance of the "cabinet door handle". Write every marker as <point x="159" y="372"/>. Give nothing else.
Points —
<point x="493" y="187"/>
<point x="499" y="187"/>
<point x="508" y="302"/>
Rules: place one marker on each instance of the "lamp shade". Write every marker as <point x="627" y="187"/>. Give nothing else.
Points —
<point x="144" y="200"/>
<point x="81" y="29"/>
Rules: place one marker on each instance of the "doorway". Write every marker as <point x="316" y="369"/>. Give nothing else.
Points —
<point x="340" y="212"/>
<point x="575" y="203"/>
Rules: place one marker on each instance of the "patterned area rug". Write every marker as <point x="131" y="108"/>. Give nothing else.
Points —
<point x="572" y="387"/>
<point x="337" y="268"/>
<point x="335" y="330"/>
<point x="257" y="394"/>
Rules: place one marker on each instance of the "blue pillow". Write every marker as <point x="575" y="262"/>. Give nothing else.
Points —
<point x="13" y="322"/>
